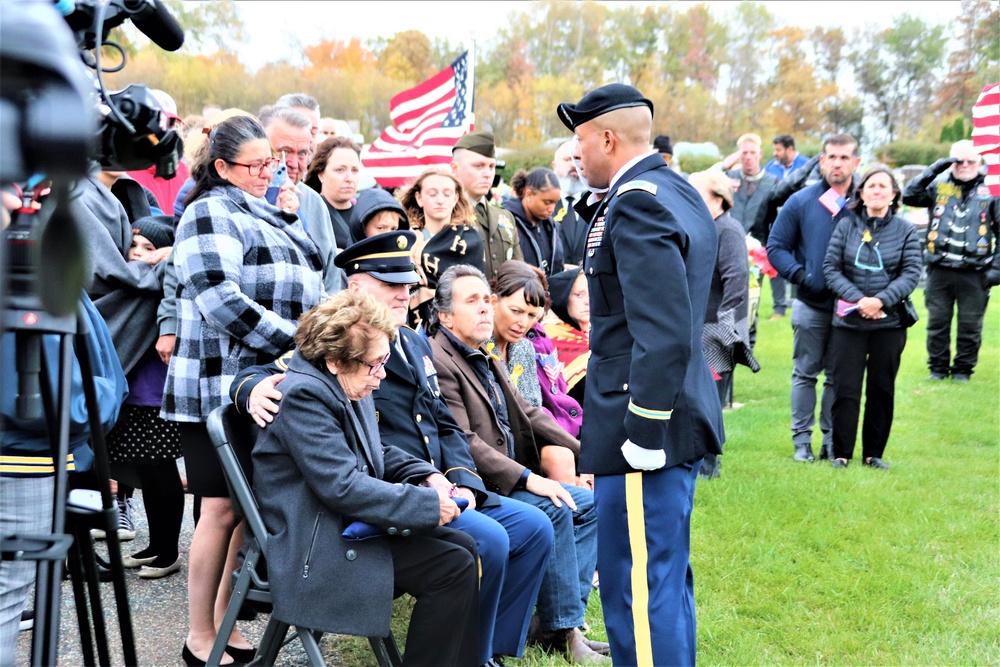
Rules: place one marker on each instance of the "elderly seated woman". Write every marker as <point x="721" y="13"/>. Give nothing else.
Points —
<point x="321" y="466"/>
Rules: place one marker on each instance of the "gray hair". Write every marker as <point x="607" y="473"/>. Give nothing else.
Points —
<point x="444" y="295"/>
<point x="287" y="115"/>
<point x="298" y="100"/>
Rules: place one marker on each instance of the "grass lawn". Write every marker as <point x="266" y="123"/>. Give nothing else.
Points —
<point x="797" y="563"/>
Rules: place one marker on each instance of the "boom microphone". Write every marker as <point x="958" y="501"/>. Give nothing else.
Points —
<point x="153" y="19"/>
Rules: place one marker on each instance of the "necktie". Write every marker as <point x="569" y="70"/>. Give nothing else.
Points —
<point x="481" y="212"/>
<point x="569" y="207"/>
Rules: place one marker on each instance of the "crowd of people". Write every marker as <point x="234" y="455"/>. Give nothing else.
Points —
<point x="419" y="360"/>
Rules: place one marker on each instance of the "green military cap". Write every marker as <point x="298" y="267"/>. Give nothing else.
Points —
<point x="481" y="142"/>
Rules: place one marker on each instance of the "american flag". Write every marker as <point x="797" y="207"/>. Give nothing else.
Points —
<point x="426" y="122"/>
<point x="986" y="133"/>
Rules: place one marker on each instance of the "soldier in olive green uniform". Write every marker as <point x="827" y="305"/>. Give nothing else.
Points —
<point x="474" y="164"/>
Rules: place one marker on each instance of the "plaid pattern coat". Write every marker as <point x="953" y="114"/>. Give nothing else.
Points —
<point x="245" y="272"/>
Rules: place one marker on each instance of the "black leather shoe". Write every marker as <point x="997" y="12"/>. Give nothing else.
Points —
<point x="243" y="655"/>
<point x="960" y="377"/>
<point x="191" y="660"/>
<point x="825" y="453"/>
<point x="937" y="376"/>
<point x="804" y="453"/>
<point x="876" y="462"/>
<point x="839" y="463"/>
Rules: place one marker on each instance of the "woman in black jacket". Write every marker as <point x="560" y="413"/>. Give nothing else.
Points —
<point x="872" y="265"/>
<point x="536" y="194"/>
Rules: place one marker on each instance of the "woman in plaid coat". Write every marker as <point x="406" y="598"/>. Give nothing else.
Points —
<point x="246" y="270"/>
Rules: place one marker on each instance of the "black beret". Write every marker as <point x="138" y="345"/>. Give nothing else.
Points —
<point x="481" y="142"/>
<point x="662" y="145"/>
<point x="383" y="256"/>
<point x="158" y="229"/>
<point x="599" y="102"/>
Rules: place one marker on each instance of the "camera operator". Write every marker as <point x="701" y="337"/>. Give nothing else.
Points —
<point x="26" y="465"/>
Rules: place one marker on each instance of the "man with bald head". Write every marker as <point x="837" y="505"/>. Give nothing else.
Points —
<point x="961" y="257"/>
<point x="654" y="412"/>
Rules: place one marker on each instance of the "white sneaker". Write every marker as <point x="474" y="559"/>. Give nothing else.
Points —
<point x="126" y="529"/>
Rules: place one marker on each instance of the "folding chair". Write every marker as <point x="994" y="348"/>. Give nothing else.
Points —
<point x="230" y="433"/>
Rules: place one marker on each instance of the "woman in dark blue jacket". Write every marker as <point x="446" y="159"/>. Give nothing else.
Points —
<point x="872" y="265"/>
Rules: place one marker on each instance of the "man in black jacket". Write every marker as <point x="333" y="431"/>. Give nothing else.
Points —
<point x="961" y="251"/>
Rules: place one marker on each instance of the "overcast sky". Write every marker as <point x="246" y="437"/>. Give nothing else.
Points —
<point x="280" y="28"/>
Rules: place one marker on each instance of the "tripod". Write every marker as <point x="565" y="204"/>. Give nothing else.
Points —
<point x="35" y="387"/>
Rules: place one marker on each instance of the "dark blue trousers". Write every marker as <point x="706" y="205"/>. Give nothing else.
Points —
<point x="643" y="549"/>
<point x="514" y="541"/>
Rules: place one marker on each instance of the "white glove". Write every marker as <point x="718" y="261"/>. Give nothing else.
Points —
<point x="643" y="459"/>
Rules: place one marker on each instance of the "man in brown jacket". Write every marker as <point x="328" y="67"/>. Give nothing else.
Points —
<point x="474" y="164"/>
<point x="520" y="452"/>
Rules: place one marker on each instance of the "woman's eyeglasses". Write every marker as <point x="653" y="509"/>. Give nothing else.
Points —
<point x="373" y="368"/>
<point x="578" y="295"/>
<point x="256" y="168"/>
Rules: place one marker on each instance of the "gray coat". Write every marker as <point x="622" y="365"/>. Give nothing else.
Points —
<point x="125" y="293"/>
<point x="319" y="466"/>
<point x="893" y="245"/>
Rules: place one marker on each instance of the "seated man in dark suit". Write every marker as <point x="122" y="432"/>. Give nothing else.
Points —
<point x="514" y="539"/>
<point x="520" y="451"/>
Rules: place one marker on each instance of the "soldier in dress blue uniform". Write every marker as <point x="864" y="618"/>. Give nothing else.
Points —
<point x="514" y="538"/>
<point x="651" y="412"/>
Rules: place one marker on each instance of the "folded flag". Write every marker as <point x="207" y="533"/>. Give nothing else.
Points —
<point x="362" y="530"/>
<point x="833" y="201"/>
<point x="845" y="308"/>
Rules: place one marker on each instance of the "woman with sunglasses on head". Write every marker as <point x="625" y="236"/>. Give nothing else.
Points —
<point x="872" y="266"/>
<point x="246" y="271"/>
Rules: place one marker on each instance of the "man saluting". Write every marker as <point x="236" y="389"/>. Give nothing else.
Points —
<point x="653" y="412"/>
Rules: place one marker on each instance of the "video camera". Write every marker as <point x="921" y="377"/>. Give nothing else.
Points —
<point x="56" y="123"/>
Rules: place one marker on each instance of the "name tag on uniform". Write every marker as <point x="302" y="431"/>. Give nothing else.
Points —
<point x="596" y="235"/>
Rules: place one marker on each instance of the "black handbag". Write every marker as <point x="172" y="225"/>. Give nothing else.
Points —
<point x="907" y="313"/>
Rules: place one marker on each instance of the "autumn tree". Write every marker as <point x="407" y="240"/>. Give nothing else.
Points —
<point x="896" y="72"/>
<point x="974" y="63"/>
<point x="746" y="59"/>
<point x="797" y="93"/>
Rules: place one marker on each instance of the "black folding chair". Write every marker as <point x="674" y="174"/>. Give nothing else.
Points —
<point x="230" y="433"/>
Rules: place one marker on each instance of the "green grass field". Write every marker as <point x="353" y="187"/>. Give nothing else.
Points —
<point x="802" y="564"/>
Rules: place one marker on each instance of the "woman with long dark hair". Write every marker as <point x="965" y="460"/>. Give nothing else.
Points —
<point x="246" y="270"/>
<point x="872" y="265"/>
<point x="536" y="194"/>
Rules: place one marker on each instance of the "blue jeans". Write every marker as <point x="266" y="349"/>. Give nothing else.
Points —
<point x="562" y="599"/>
<point x="514" y="540"/>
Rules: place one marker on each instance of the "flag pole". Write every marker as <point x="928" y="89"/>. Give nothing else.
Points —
<point x="472" y="83"/>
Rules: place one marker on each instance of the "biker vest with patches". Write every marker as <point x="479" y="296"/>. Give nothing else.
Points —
<point x="960" y="235"/>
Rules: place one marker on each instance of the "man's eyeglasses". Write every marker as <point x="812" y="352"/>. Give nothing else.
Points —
<point x="257" y="167"/>
<point x="966" y="162"/>
<point x="373" y="368"/>
<point x="868" y="267"/>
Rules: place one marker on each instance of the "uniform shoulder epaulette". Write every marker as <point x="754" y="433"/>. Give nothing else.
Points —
<point x="645" y="186"/>
<point x="282" y="361"/>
